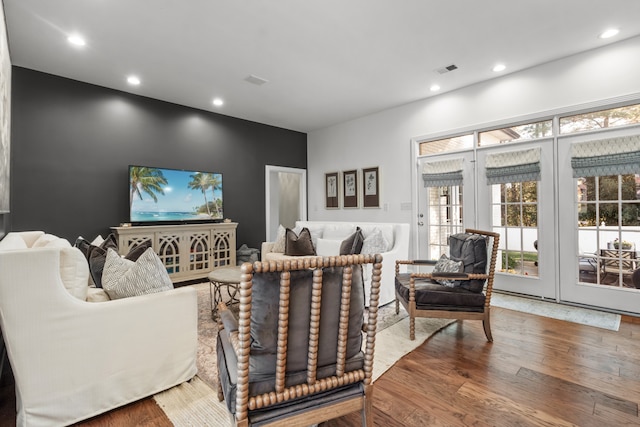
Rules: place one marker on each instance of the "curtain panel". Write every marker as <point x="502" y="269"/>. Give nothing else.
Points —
<point x="612" y="156"/>
<point x="513" y="166"/>
<point x="444" y="173"/>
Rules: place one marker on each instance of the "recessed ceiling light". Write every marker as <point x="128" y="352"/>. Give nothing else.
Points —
<point x="76" y="40"/>
<point x="133" y="80"/>
<point x="434" y="88"/>
<point x="499" y="67"/>
<point x="609" y="33"/>
<point x="218" y="102"/>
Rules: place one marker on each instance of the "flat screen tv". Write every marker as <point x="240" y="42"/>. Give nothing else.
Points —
<point x="172" y="196"/>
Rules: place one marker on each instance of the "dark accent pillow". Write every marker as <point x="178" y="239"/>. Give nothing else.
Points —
<point x="137" y="250"/>
<point x="86" y="247"/>
<point x="298" y="245"/>
<point x="98" y="254"/>
<point x="352" y="245"/>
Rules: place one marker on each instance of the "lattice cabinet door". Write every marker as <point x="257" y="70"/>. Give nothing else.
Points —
<point x="199" y="245"/>
<point x="169" y="251"/>
<point x="223" y="246"/>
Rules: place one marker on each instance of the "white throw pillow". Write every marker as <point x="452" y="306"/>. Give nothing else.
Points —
<point x="375" y="243"/>
<point x="12" y="242"/>
<point x="51" y="241"/>
<point x="328" y="247"/>
<point x="278" y="245"/>
<point x="74" y="272"/>
<point x="122" y="278"/>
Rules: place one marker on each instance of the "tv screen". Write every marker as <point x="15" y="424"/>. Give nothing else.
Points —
<point x="174" y="196"/>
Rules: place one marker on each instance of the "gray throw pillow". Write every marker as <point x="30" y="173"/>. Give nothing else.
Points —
<point x="299" y="245"/>
<point x="446" y="265"/>
<point x="375" y="243"/>
<point x="353" y="244"/>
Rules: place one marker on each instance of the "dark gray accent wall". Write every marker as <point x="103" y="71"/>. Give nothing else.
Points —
<point x="72" y="144"/>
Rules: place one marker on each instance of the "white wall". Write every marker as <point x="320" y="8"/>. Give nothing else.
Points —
<point x="383" y="139"/>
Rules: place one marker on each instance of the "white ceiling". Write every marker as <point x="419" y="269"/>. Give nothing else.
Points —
<point x="326" y="61"/>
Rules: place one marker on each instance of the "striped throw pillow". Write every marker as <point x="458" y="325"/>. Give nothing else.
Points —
<point x="122" y="278"/>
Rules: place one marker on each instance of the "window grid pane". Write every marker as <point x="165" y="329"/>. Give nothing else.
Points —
<point x="445" y="218"/>
<point x="600" y="119"/>
<point x="524" y="132"/>
<point x="515" y="205"/>
<point x="463" y="142"/>
<point x="608" y="229"/>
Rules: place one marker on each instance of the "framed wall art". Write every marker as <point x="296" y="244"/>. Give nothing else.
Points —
<point x="350" y="199"/>
<point x="331" y="190"/>
<point x="371" y="188"/>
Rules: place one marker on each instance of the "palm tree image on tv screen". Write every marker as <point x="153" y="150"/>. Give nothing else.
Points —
<point x="158" y="194"/>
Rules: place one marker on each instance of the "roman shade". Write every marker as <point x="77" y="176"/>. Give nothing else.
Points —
<point x="612" y="156"/>
<point x="513" y="166"/>
<point x="442" y="173"/>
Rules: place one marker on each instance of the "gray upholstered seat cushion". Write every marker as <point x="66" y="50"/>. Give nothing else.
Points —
<point x="264" y="320"/>
<point x="431" y="295"/>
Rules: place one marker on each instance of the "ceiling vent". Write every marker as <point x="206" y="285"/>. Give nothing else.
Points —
<point x="447" y="69"/>
<point x="256" y="80"/>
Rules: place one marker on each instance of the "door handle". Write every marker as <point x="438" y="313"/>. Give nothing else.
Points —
<point x="420" y="223"/>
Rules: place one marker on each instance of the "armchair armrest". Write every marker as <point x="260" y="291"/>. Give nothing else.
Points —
<point x="417" y="262"/>
<point x="230" y="326"/>
<point x="228" y="320"/>
<point x="450" y="276"/>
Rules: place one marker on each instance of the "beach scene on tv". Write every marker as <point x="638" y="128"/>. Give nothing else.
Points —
<point x="158" y="194"/>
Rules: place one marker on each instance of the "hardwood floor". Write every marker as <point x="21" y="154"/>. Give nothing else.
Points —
<point x="537" y="372"/>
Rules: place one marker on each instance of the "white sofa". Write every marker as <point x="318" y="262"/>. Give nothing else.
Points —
<point x="74" y="359"/>
<point x="396" y="234"/>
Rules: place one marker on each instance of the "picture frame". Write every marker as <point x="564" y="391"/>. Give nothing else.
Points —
<point x="350" y="189"/>
<point x="371" y="187"/>
<point x="331" y="190"/>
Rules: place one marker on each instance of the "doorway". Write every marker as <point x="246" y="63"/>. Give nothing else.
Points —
<point x="285" y="198"/>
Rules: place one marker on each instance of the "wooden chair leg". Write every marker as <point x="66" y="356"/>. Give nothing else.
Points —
<point x="397" y="306"/>
<point x="412" y="328"/>
<point x="367" y="410"/>
<point x="486" y="323"/>
<point x="220" y="393"/>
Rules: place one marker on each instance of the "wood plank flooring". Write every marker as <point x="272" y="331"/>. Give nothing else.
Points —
<point x="537" y="372"/>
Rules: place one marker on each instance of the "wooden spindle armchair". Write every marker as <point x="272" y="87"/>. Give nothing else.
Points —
<point x="294" y="356"/>
<point x="468" y="297"/>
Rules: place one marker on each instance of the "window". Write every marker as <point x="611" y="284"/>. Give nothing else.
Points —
<point x="600" y="119"/>
<point x="445" y="217"/>
<point x="515" y="218"/>
<point x="463" y="142"/>
<point x="608" y="218"/>
<point x="516" y="133"/>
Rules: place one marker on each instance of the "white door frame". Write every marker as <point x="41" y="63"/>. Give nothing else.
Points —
<point x="272" y="172"/>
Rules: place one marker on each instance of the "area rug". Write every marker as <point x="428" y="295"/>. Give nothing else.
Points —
<point x="195" y="402"/>
<point x="584" y="316"/>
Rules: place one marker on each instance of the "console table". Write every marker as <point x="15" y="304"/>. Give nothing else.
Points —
<point x="188" y="251"/>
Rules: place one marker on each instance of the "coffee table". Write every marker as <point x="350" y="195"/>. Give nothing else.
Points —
<point x="227" y="278"/>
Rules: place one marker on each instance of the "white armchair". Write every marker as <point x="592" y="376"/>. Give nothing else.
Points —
<point x="73" y="359"/>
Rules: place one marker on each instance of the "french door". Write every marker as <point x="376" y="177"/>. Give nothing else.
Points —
<point x="444" y="210"/>
<point x="599" y="230"/>
<point x="522" y="212"/>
